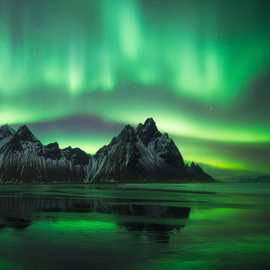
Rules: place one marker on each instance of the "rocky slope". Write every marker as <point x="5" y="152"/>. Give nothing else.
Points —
<point x="141" y="153"/>
<point x="23" y="158"/>
<point x="196" y="172"/>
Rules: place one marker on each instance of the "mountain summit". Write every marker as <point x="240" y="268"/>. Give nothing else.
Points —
<point x="136" y="154"/>
<point x="141" y="153"/>
<point x="25" y="134"/>
<point x="6" y="131"/>
<point x="23" y="158"/>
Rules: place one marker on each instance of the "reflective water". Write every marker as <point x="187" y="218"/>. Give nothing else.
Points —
<point x="148" y="226"/>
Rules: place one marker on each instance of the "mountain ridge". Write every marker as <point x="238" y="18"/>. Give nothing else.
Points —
<point x="140" y="153"/>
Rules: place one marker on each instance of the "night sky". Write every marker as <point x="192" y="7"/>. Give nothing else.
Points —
<point x="78" y="70"/>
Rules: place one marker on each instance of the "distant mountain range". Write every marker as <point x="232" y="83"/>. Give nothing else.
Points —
<point x="136" y="154"/>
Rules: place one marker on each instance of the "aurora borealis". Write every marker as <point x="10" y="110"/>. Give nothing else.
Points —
<point x="78" y="70"/>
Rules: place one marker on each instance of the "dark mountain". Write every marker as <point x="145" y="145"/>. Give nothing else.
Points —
<point x="196" y="172"/>
<point x="141" y="153"/>
<point x="23" y="158"/>
<point x="6" y="131"/>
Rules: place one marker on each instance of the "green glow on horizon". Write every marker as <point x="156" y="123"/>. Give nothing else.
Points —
<point x="187" y="125"/>
<point x="88" y="142"/>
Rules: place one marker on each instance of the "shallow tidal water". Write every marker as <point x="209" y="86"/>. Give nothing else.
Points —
<point x="135" y="226"/>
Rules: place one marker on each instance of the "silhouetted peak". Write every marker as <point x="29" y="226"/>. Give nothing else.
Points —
<point x="52" y="150"/>
<point x="197" y="172"/>
<point x="147" y="131"/>
<point x="69" y="148"/>
<point x="76" y="155"/>
<point x="149" y="125"/>
<point x="194" y="165"/>
<point x="149" y="122"/>
<point x="6" y="131"/>
<point x="128" y="129"/>
<point x="24" y="133"/>
<point x="52" y="145"/>
<point x="128" y="133"/>
<point x="72" y="150"/>
<point x="7" y="128"/>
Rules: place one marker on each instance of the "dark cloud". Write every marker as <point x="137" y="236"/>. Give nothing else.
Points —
<point x="77" y="124"/>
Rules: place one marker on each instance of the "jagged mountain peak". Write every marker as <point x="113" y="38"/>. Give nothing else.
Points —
<point x="147" y="131"/>
<point x="52" y="145"/>
<point x="52" y="150"/>
<point x="127" y="134"/>
<point x="25" y="134"/>
<point x="141" y="153"/>
<point x="76" y="155"/>
<point x="195" y="166"/>
<point x="6" y="131"/>
<point x="7" y="127"/>
<point x="24" y="158"/>
<point x="73" y="149"/>
<point x="127" y="129"/>
<point x="197" y="172"/>
<point x="150" y="123"/>
<point x="137" y="153"/>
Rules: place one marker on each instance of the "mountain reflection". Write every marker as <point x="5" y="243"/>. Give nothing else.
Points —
<point x="136" y="216"/>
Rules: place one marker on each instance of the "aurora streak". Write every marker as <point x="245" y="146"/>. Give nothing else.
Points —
<point x="78" y="70"/>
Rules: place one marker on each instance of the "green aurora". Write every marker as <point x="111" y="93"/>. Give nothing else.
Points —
<point x="78" y="70"/>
